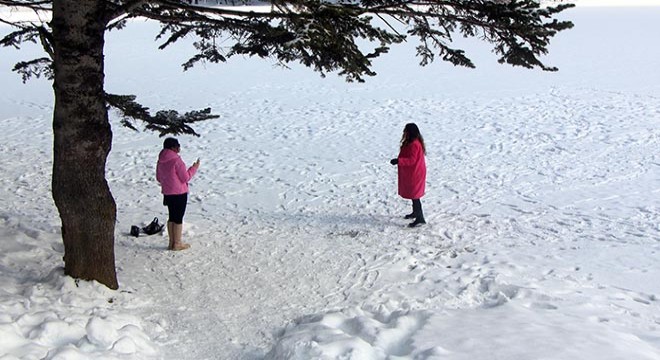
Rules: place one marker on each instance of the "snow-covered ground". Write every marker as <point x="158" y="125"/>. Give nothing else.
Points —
<point x="543" y="210"/>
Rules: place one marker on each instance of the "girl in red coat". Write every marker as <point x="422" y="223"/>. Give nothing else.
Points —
<point x="412" y="171"/>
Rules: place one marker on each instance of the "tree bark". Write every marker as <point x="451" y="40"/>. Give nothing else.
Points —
<point x="82" y="142"/>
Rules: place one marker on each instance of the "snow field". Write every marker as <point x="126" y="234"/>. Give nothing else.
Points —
<point x="542" y="204"/>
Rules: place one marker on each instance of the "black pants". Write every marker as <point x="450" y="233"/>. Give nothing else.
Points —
<point x="176" y="205"/>
<point x="417" y="209"/>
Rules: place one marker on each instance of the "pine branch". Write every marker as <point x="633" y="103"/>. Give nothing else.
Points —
<point x="324" y="34"/>
<point x="164" y="122"/>
<point x="118" y="11"/>
<point x="35" y="68"/>
<point x="14" y="39"/>
<point x="307" y="32"/>
<point x="32" y="4"/>
<point x="46" y="40"/>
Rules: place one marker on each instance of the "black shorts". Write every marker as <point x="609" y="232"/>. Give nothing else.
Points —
<point x="176" y="205"/>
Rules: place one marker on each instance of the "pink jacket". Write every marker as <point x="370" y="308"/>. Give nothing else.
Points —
<point x="412" y="171"/>
<point x="171" y="173"/>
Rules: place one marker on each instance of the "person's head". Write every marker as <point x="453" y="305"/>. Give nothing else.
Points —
<point x="410" y="133"/>
<point x="171" y="144"/>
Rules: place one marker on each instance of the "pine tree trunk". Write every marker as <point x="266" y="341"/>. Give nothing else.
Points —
<point x="82" y="142"/>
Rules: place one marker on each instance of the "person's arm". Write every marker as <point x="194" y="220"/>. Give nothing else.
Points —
<point x="158" y="178"/>
<point x="193" y="169"/>
<point x="413" y="155"/>
<point x="182" y="173"/>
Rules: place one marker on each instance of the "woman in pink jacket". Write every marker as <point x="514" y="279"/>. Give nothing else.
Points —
<point x="412" y="171"/>
<point x="173" y="177"/>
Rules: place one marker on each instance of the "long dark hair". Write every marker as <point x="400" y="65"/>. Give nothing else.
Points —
<point x="410" y="133"/>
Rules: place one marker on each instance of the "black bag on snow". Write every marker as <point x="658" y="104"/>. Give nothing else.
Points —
<point x="153" y="228"/>
<point x="135" y="231"/>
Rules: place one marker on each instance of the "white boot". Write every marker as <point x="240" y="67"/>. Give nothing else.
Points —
<point x="170" y="235"/>
<point x="178" y="244"/>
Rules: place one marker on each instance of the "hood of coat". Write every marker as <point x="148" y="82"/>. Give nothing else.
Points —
<point x="167" y="155"/>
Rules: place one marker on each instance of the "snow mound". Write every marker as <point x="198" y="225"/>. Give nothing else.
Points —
<point x="53" y="316"/>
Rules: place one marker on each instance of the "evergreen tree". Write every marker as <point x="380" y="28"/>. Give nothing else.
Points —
<point x="321" y="34"/>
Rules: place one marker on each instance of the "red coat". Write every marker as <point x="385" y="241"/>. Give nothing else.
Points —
<point x="412" y="171"/>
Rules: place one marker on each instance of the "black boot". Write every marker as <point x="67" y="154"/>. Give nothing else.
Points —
<point x="418" y="213"/>
<point x="412" y="214"/>
<point x="418" y="221"/>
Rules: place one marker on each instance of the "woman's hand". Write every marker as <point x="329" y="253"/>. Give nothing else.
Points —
<point x="394" y="161"/>
<point x="196" y="164"/>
